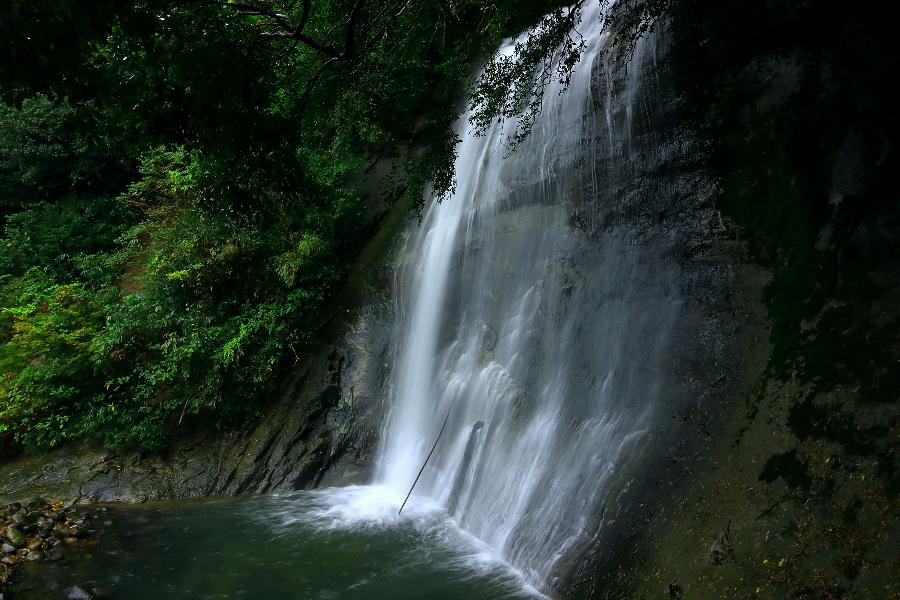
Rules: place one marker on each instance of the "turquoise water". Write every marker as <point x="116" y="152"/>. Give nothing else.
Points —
<point x="330" y="544"/>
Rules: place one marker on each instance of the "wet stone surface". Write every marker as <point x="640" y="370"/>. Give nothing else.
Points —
<point x="44" y="530"/>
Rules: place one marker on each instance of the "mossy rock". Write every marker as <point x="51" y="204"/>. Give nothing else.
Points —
<point x="15" y="536"/>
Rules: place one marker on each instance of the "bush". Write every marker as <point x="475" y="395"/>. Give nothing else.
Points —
<point x="47" y="361"/>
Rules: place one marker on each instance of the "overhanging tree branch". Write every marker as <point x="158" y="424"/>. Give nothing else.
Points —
<point x="279" y="25"/>
<point x="361" y="30"/>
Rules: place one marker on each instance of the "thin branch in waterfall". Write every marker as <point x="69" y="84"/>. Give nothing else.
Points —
<point x="427" y="458"/>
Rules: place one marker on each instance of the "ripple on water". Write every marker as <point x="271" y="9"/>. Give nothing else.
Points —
<point x="347" y="543"/>
<point x="375" y="507"/>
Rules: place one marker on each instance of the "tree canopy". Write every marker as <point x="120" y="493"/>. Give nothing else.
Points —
<point x="179" y="192"/>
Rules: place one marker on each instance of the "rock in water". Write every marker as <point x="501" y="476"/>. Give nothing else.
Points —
<point x="35" y="544"/>
<point x="15" y="535"/>
<point x="719" y="551"/>
<point x="55" y="554"/>
<point x="78" y="593"/>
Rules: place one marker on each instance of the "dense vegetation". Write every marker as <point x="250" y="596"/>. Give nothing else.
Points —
<point x="177" y="194"/>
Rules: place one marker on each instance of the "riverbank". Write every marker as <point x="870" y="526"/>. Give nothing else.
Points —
<point x="42" y="530"/>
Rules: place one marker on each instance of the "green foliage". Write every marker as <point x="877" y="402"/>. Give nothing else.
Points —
<point x="210" y="310"/>
<point x="193" y="328"/>
<point x="46" y="357"/>
<point x="51" y="149"/>
<point x="59" y="236"/>
<point x="179" y="193"/>
<point x="40" y="151"/>
<point x="511" y="86"/>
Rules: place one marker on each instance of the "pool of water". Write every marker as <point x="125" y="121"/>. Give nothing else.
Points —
<point x="342" y="543"/>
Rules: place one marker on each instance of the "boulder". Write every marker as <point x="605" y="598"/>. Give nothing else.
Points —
<point x="36" y="503"/>
<point x="15" y="536"/>
<point x="55" y="554"/>
<point x="77" y="592"/>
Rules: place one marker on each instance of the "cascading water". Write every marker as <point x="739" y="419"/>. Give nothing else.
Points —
<point x="549" y="372"/>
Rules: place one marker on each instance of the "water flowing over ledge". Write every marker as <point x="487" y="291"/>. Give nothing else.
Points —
<point x="549" y="373"/>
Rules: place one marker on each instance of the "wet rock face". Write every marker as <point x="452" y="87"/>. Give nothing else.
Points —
<point x="655" y="206"/>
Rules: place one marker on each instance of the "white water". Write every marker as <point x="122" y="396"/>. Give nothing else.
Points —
<point x="548" y="371"/>
<point x="372" y="509"/>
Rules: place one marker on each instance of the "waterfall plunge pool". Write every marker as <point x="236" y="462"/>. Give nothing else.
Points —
<point x="341" y="543"/>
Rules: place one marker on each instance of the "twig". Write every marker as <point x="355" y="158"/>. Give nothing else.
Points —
<point x="426" y="460"/>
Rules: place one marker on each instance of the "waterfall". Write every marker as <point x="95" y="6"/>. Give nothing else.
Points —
<point x="539" y="331"/>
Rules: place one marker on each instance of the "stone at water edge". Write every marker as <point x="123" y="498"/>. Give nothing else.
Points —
<point x="78" y="593"/>
<point x="34" y="555"/>
<point x="15" y="536"/>
<point x="7" y="548"/>
<point x="35" y="544"/>
<point x="65" y="531"/>
<point x="55" y="554"/>
<point x="36" y="503"/>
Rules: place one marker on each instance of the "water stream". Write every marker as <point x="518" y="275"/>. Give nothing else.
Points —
<point x="546" y="371"/>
